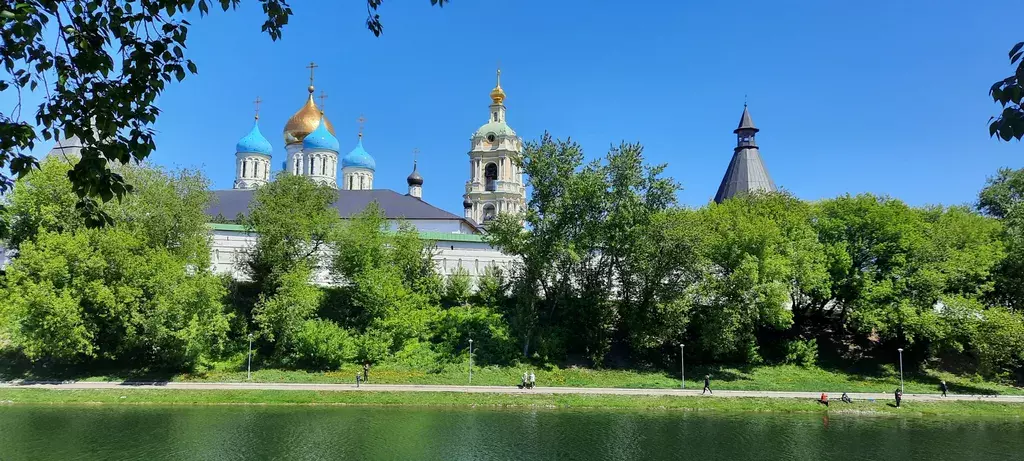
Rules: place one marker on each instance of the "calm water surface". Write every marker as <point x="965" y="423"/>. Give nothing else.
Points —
<point x="378" y="433"/>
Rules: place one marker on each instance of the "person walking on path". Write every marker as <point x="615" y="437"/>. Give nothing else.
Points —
<point x="366" y="371"/>
<point x="824" y="399"/>
<point x="707" y="385"/>
<point x="942" y="386"/>
<point x="533" y="380"/>
<point x="846" y="398"/>
<point x="357" y="379"/>
<point x="526" y="380"/>
<point x="899" y="397"/>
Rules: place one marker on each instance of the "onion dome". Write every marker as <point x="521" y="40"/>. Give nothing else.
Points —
<point x="305" y="121"/>
<point x="414" y="179"/>
<point x="359" y="158"/>
<point x="254" y="142"/>
<point x="321" y="139"/>
<point x="498" y="94"/>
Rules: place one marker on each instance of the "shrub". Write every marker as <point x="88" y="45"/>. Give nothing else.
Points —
<point x="802" y="352"/>
<point x="321" y="345"/>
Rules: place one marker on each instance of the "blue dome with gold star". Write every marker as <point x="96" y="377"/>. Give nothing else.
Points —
<point x="254" y="142"/>
<point x="359" y="158"/>
<point x="321" y="139"/>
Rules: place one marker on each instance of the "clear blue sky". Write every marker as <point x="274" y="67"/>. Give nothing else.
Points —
<point x="878" y="96"/>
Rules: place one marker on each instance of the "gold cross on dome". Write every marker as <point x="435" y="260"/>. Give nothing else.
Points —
<point x="257" y="103"/>
<point x="312" y="65"/>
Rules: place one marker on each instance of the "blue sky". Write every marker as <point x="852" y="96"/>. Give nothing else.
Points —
<point x="876" y="96"/>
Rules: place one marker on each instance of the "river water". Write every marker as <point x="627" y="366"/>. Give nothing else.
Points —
<point x="403" y="433"/>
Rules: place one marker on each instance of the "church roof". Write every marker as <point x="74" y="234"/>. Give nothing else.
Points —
<point x="359" y="158"/>
<point x="498" y="128"/>
<point x="232" y="202"/>
<point x="746" y="174"/>
<point x="254" y="142"/>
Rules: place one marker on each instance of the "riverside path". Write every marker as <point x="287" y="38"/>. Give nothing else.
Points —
<point x="186" y="385"/>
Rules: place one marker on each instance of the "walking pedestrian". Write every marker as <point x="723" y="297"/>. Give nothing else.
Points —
<point x="824" y="398"/>
<point x="533" y="380"/>
<point x="526" y="380"/>
<point x="707" y="385"/>
<point x="357" y="379"/>
<point x="899" y="397"/>
<point x="942" y="385"/>
<point x="366" y="371"/>
<point x="846" y="398"/>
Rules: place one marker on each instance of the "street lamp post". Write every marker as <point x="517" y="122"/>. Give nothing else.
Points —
<point x="471" y="361"/>
<point x="901" y="369"/>
<point x="248" y="373"/>
<point x="682" y="366"/>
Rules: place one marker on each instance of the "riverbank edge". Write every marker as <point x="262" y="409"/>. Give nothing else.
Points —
<point x="496" y="400"/>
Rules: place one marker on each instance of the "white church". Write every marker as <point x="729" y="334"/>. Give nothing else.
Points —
<point x="312" y="149"/>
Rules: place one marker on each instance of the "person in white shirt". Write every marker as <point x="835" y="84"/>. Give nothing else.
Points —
<point x="526" y="379"/>
<point x="533" y="380"/>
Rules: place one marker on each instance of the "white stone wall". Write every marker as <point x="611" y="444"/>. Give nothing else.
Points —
<point x="251" y="170"/>
<point x="229" y="247"/>
<point x="356" y="178"/>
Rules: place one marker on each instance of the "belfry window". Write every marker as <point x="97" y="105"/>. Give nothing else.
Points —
<point x="490" y="175"/>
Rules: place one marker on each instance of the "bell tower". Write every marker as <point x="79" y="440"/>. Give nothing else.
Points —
<point x="495" y="183"/>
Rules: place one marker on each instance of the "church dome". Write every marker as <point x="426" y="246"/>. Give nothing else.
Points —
<point x="498" y="128"/>
<point x="414" y="179"/>
<point x="254" y="142"/>
<point x="359" y="158"/>
<point x="321" y="139"/>
<point x="304" y="122"/>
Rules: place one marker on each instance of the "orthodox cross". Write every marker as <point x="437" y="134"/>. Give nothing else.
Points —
<point x="323" y="100"/>
<point x="311" y="66"/>
<point x="361" y="121"/>
<point x="415" y="154"/>
<point x="257" y="103"/>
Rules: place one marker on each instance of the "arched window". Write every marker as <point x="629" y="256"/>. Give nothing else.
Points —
<point x="489" y="212"/>
<point x="323" y="166"/>
<point x="490" y="175"/>
<point x="245" y="163"/>
<point x="361" y="183"/>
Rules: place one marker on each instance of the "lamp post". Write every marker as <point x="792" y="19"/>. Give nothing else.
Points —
<point x="471" y="361"/>
<point x="248" y="373"/>
<point x="682" y="366"/>
<point x="901" y="369"/>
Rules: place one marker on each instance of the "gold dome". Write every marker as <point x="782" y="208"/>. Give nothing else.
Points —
<point x="304" y="122"/>
<point x="498" y="94"/>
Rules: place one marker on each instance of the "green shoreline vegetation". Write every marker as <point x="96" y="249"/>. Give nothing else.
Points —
<point x="497" y="400"/>
<point x="610" y="280"/>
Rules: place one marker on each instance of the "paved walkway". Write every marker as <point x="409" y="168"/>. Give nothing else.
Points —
<point x="489" y="389"/>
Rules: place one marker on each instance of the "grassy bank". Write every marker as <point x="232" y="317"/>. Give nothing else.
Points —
<point x="754" y="378"/>
<point x="207" y="397"/>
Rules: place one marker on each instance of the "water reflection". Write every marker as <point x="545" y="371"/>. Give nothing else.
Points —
<point x="378" y="433"/>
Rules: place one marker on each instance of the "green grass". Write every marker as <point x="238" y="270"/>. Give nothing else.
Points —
<point x="440" y="399"/>
<point x="762" y="378"/>
<point x="754" y="378"/>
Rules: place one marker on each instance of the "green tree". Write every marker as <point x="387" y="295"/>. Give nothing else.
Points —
<point x="1009" y="124"/>
<point x="102" y="66"/>
<point x="1003" y="199"/>
<point x="104" y="294"/>
<point x="294" y="224"/>
<point x="762" y="250"/>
